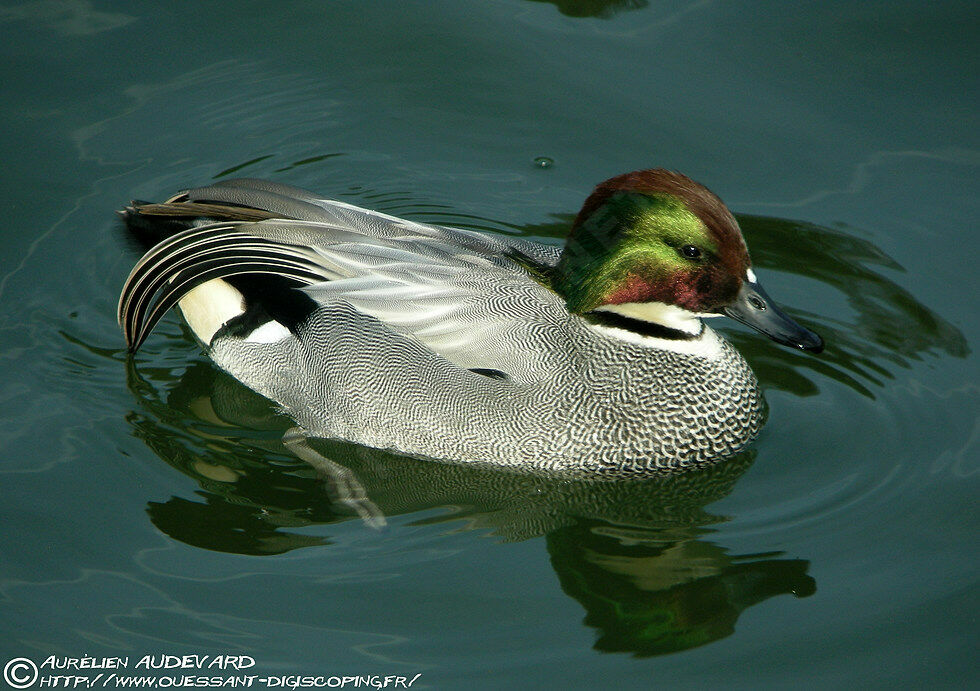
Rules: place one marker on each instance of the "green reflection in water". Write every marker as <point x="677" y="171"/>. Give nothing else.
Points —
<point x="655" y="592"/>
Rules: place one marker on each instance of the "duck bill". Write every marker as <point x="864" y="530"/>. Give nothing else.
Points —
<point x="753" y="307"/>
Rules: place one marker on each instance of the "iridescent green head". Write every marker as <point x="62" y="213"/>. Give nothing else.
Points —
<point x="655" y="246"/>
<point x="652" y="236"/>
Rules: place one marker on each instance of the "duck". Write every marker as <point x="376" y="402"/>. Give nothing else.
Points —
<point x="592" y="359"/>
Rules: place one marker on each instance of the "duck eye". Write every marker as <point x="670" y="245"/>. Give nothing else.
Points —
<point x="691" y="252"/>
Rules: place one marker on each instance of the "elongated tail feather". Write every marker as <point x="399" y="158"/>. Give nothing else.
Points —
<point x="181" y="263"/>
<point x="197" y="210"/>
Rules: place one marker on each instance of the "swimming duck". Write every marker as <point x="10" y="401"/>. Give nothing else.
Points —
<point x="449" y="344"/>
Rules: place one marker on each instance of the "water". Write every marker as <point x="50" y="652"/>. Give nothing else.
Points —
<point x="149" y="507"/>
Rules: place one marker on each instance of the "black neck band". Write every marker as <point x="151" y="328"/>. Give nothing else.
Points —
<point x="644" y="328"/>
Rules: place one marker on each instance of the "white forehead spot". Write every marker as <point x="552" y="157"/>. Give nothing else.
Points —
<point x="750" y="274"/>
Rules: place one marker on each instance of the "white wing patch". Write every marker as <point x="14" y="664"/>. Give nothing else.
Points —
<point x="270" y="332"/>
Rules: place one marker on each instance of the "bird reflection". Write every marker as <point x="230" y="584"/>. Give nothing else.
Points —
<point x="595" y="8"/>
<point x="651" y="592"/>
<point x="634" y="554"/>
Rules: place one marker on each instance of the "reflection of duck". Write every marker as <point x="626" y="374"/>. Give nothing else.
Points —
<point x="595" y="8"/>
<point x="449" y="344"/>
<point x="656" y="592"/>
<point x="630" y="551"/>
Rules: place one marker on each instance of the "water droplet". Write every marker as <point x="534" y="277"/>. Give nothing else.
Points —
<point x="543" y="162"/>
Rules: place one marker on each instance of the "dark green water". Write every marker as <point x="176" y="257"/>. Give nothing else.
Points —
<point x="149" y="508"/>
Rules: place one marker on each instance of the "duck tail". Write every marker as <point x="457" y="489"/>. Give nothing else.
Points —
<point x="206" y="254"/>
<point x="150" y="223"/>
<point x="206" y="250"/>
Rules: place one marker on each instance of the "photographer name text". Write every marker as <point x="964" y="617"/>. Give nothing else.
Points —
<point x="150" y="662"/>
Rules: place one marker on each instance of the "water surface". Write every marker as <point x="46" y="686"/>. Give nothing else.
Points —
<point x="150" y="507"/>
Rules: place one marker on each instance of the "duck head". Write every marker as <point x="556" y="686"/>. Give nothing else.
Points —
<point x="654" y="247"/>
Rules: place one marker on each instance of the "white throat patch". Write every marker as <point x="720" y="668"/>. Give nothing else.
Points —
<point x="705" y="342"/>
<point x="671" y="316"/>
